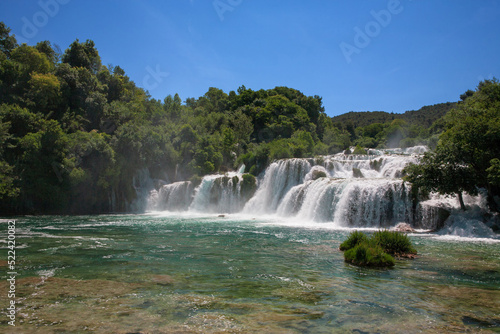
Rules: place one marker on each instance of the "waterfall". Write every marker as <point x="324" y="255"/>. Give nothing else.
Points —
<point x="344" y="189"/>
<point x="171" y="197"/>
<point x="217" y="194"/>
<point x="279" y="178"/>
<point x="226" y="193"/>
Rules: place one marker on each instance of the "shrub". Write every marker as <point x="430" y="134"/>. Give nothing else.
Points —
<point x="359" y="150"/>
<point x="353" y="239"/>
<point x="377" y="250"/>
<point x="368" y="254"/>
<point x="394" y="243"/>
<point x="248" y="185"/>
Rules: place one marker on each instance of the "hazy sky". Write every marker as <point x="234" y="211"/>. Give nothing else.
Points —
<point x="358" y="55"/>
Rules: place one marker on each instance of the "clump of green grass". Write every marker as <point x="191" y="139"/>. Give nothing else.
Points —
<point x="394" y="243"/>
<point x="353" y="239"/>
<point x="368" y="254"/>
<point x="377" y="251"/>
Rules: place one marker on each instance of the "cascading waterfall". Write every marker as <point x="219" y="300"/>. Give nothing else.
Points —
<point x="279" y="178"/>
<point x="352" y="190"/>
<point x="218" y="194"/>
<point x="348" y="190"/>
<point x="171" y="197"/>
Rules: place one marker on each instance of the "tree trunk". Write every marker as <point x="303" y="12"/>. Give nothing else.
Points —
<point x="461" y="200"/>
<point x="492" y="204"/>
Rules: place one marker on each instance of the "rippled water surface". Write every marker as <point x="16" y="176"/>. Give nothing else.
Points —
<point x="175" y="274"/>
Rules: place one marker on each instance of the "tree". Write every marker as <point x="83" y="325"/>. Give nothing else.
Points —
<point x="7" y="177"/>
<point x="46" y="48"/>
<point x="464" y="159"/>
<point x="8" y="42"/>
<point x="92" y="173"/>
<point x="494" y="172"/>
<point x="41" y="169"/>
<point x="442" y="172"/>
<point x="44" y="92"/>
<point x="83" y="55"/>
<point x="31" y="60"/>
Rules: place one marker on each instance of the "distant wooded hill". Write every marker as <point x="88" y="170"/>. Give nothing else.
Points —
<point x="424" y="116"/>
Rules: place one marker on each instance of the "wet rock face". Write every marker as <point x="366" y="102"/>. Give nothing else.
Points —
<point x="316" y="174"/>
<point x="430" y="217"/>
<point x="357" y="173"/>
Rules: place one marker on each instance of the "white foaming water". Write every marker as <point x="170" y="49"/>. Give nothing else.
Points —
<point x="171" y="197"/>
<point x="219" y="194"/>
<point x="280" y="177"/>
<point x="465" y="227"/>
<point x="362" y="191"/>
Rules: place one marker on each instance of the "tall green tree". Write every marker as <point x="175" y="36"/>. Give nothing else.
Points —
<point x="83" y="55"/>
<point x="464" y="159"/>
<point x="8" y="42"/>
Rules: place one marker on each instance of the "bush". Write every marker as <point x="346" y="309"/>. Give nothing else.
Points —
<point x="368" y="254"/>
<point x="359" y="150"/>
<point x="394" y="243"/>
<point x="248" y="185"/>
<point x="377" y="250"/>
<point x="354" y="239"/>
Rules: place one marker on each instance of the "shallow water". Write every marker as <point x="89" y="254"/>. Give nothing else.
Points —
<point x="187" y="274"/>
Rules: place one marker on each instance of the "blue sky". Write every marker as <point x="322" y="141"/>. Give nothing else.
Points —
<point x="384" y="55"/>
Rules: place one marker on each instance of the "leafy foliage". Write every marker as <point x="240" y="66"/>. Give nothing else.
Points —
<point x="464" y="159"/>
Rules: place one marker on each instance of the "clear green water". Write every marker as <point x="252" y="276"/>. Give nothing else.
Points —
<point x="152" y="274"/>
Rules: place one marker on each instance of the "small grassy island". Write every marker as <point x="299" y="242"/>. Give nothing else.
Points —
<point x="377" y="251"/>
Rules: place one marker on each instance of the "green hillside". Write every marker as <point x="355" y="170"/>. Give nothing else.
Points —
<point x="424" y="116"/>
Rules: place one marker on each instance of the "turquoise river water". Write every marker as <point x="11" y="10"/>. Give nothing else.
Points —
<point x="155" y="273"/>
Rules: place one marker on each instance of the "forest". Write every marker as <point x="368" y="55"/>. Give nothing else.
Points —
<point x="74" y="132"/>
